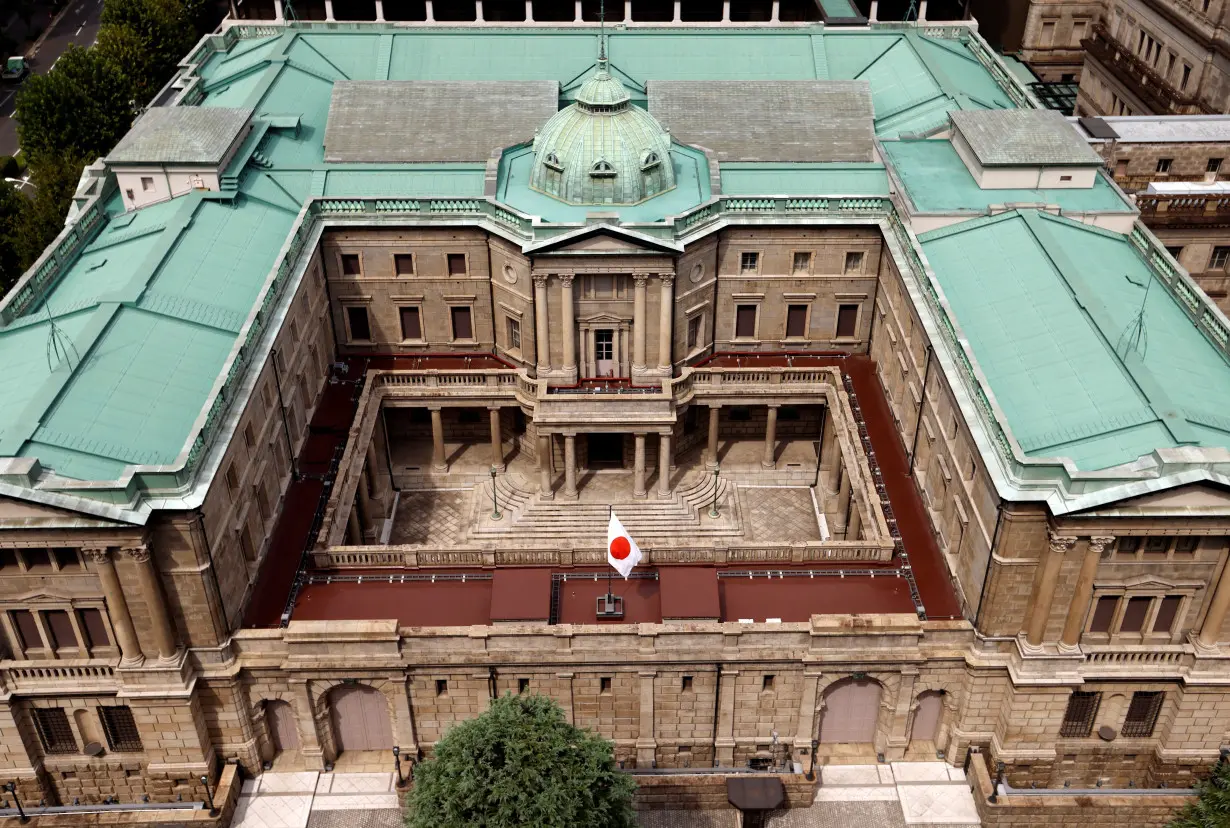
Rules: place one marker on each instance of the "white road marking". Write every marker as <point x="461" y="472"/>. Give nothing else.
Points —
<point x="6" y="98"/>
<point x="79" y="28"/>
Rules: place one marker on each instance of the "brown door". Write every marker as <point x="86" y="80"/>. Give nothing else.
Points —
<point x="280" y="717"/>
<point x="360" y="719"/>
<point x="927" y="717"/>
<point x="850" y="710"/>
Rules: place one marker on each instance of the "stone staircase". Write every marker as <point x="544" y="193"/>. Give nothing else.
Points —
<point x="652" y="521"/>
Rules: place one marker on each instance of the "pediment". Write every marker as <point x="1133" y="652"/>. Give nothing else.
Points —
<point x="600" y="318"/>
<point x="1149" y="582"/>
<point x="25" y="514"/>
<point x="1204" y="499"/>
<point x="604" y="239"/>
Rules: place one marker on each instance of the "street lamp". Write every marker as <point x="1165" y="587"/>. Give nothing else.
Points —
<point x="12" y="788"/>
<point x="713" y="510"/>
<point x="401" y="780"/>
<point x="811" y="768"/>
<point x="209" y="796"/>
<point x="495" y="503"/>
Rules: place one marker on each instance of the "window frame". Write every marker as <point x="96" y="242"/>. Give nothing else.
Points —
<point x="858" y="313"/>
<point x="397" y="271"/>
<point x="1143" y="726"/>
<point x="860" y="268"/>
<point x="1222" y="252"/>
<point x="1213" y="165"/>
<point x="794" y="258"/>
<point x="47" y="651"/>
<point x="755" y="269"/>
<point x="799" y="337"/>
<point x="1148" y="634"/>
<point x="55" y="744"/>
<point x="512" y="332"/>
<point x="452" y="322"/>
<point x="1164" y="166"/>
<point x="341" y="263"/>
<point x="755" y="335"/>
<point x="351" y="339"/>
<point x="119" y="742"/>
<point x="1082" y="728"/>
<point x="1142" y="553"/>
<point x="688" y="344"/>
<point x="448" y="264"/>
<point x="401" y="323"/>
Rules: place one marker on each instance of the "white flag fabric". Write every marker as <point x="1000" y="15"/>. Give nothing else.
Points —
<point x="621" y="551"/>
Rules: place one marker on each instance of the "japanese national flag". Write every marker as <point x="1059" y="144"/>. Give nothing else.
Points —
<point x="621" y="551"/>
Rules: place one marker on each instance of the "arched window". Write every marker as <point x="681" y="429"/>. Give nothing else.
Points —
<point x="552" y="160"/>
<point x="650" y="160"/>
<point x="602" y="169"/>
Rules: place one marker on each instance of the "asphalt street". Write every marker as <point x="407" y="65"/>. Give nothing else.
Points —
<point x="78" y="25"/>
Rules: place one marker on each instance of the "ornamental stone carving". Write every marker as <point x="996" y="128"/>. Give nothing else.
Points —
<point x="1101" y="545"/>
<point x="97" y="554"/>
<point x="566" y="279"/>
<point x="668" y="279"/>
<point x="140" y="554"/>
<point x="540" y="280"/>
<point x="640" y="280"/>
<point x="1060" y="544"/>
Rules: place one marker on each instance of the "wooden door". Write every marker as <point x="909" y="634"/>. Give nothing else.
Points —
<point x="851" y="707"/>
<point x="360" y="719"/>
<point x="927" y="716"/>
<point x="283" y="728"/>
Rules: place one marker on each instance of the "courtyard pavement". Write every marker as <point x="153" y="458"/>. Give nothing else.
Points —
<point x="309" y="799"/>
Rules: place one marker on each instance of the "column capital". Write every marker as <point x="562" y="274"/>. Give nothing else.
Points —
<point x="97" y="554"/>
<point x="667" y="279"/>
<point x="565" y="279"/>
<point x="1060" y="544"/>
<point x="1101" y="543"/>
<point x="640" y="280"/>
<point x="140" y="553"/>
<point x="540" y="280"/>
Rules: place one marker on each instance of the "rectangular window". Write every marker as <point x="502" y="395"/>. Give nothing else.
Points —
<point x="351" y="265"/>
<point x="147" y="183"/>
<point x="749" y="262"/>
<point x="523" y="685"/>
<point x="604" y="684"/>
<point x="1048" y="33"/>
<point x="1175" y="252"/>
<point x="1163" y="164"/>
<point x="745" y="321"/>
<point x="463" y="328"/>
<point x="1219" y="258"/>
<point x="513" y="328"/>
<point x="1167" y="612"/>
<point x="441" y="687"/>
<point x="360" y="328"/>
<point x="796" y="321"/>
<point x="1142" y="714"/>
<point x="1214" y="165"/>
<point x="120" y="728"/>
<point x="1134" y="616"/>
<point x="411" y="325"/>
<point x="54" y="730"/>
<point x="1187" y="76"/>
<point x="1078" y="718"/>
<point x="693" y="332"/>
<point x="61" y="628"/>
<point x="456" y="264"/>
<point x="854" y="262"/>
<point x="1104" y="614"/>
<point x="687" y="684"/>
<point x="249" y="436"/>
<point x="802" y="263"/>
<point x="403" y="264"/>
<point x="767" y="682"/>
<point x="847" y="320"/>
<point x="95" y="628"/>
<point x="27" y="630"/>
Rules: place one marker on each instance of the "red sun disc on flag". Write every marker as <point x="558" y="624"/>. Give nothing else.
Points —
<point x="620" y="548"/>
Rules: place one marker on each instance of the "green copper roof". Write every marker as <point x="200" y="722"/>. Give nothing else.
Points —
<point x="1051" y="325"/>
<point x="938" y="181"/>
<point x="785" y="179"/>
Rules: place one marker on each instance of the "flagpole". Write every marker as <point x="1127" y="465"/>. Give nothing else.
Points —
<point x="610" y="514"/>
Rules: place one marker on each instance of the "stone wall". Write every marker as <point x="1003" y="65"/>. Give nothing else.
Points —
<point x="708" y="792"/>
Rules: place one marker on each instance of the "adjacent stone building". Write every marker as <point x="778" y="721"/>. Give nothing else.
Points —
<point x="920" y="429"/>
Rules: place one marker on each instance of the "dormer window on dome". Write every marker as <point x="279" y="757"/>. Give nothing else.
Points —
<point x="602" y="169"/>
<point x="552" y="160"/>
<point x="650" y="160"/>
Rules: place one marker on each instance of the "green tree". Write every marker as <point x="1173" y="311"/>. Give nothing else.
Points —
<point x="1212" y="808"/>
<point x="43" y="219"/>
<point x="77" y="110"/>
<point x="521" y="764"/>
<point x="12" y="208"/>
<point x="147" y="39"/>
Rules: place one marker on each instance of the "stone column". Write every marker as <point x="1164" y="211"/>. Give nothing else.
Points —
<point x="638" y="467"/>
<point x="403" y="719"/>
<point x="431" y="17"/>
<point x="354" y="532"/>
<point x="380" y="10"/>
<point x="544" y="467"/>
<point x="542" y="341"/>
<point x="638" y="323"/>
<point x="1082" y="593"/>
<point x="279" y="15"/>
<point x="770" y="439"/>
<point x="856" y="520"/>
<point x="627" y="11"/>
<point x="807" y="715"/>
<point x="1044" y="587"/>
<point x="376" y="478"/>
<point x="875" y="11"/>
<point x="646" y="744"/>
<point x="922" y="11"/>
<point x="664" y="465"/>
<point x="711" y="458"/>
<point x="665" y="317"/>
<point x="367" y="519"/>
<point x="677" y="18"/>
<point x="724" y="728"/>
<point x="1210" y="630"/>
<point x="329" y="11"/>
<point x="570" y="466"/>
<point x="775" y="16"/>
<point x="843" y="503"/>
<point x="155" y="604"/>
<point x="117" y="607"/>
<point x="529" y="11"/>
<point x="578" y="18"/>
<point x="478" y="11"/>
<point x="830" y="452"/>
<point x="569" y="322"/>
<point x="725" y="11"/>
<point x="438" y="462"/>
<point x="497" y="439"/>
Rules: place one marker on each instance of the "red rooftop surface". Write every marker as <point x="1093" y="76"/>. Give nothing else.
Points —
<point x="678" y="592"/>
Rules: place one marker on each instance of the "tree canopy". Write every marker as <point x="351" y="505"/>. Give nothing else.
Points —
<point x="521" y="764"/>
<point x="1212" y="808"/>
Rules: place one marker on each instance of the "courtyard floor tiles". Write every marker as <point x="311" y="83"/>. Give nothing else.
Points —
<point x="319" y="800"/>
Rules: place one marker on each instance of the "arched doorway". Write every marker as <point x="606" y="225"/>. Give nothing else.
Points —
<point x="851" y="708"/>
<point x="927" y="716"/>
<point x="283" y="727"/>
<point x="360" y="718"/>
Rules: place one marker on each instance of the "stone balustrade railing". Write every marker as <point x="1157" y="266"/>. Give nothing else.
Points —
<point x="92" y="674"/>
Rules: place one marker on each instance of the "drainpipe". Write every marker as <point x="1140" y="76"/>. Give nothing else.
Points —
<point x="824" y="411"/>
<point x="986" y="576"/>
<point x="922" y="404"/>
<point x="290" y="446"/>
<point x="717" y="701"/>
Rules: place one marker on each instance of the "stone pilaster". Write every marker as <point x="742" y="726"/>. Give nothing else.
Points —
<point x="117" y="607"/>
<point x="163" y="632"/>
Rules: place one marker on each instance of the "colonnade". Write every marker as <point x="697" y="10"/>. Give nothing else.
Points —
<point x="162" y="632"/>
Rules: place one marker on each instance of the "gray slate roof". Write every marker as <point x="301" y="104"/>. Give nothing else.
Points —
<point x="790" y="121"/>
<point x="406" y="122"/>
<point x="1023" y="137"/>
<point x="181" y="135"/>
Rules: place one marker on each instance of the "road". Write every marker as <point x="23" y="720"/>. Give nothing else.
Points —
<point x="78" y="25"/>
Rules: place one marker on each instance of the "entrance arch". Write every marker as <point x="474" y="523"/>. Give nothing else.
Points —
<point x="927" y="716"/>
<point x="360" y="717"/>
<point x="283" y="727"/>
<point x="851" y="709"/>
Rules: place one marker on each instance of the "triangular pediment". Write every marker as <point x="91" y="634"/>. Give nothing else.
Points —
<point x="1206" y="499"/>
<point x="24" y="514"/>
<point x="604" y="239"/>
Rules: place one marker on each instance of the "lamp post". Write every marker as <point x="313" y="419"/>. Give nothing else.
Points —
<point x="401" y="780"/>
<point x="811" y="767"/>
<point x="209" y="796"/>
<point x="12" y="788"/>
<point x="713" y="510"/>
<point x="495" y="503"/>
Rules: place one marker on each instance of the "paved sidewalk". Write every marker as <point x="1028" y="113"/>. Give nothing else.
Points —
<point x="319" y="800"/>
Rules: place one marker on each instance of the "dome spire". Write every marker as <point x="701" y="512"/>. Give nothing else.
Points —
<point x="602" y="36"/>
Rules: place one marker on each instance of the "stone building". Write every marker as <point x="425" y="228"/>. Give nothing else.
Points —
<point x="920" y="429"/>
